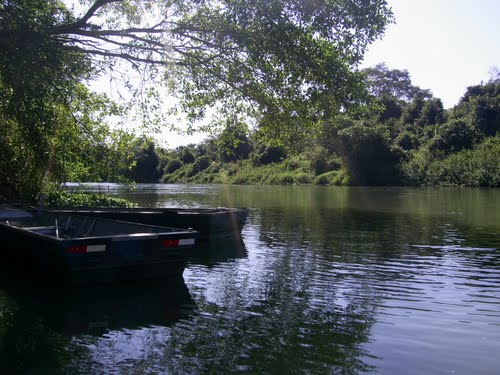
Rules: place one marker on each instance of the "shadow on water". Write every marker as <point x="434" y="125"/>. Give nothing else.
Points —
<point x="210" y="253"/>
<point x="38" y="325"/>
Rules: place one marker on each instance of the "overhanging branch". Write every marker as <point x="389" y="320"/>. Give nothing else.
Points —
<point x="82" y="22"/>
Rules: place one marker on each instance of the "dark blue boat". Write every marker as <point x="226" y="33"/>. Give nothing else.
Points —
<point x="79" y="249"/>
<point x="211" y="223"/>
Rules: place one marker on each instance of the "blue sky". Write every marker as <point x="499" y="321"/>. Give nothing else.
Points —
<point x="446" y="45"/>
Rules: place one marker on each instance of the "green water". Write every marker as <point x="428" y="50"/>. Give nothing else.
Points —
<point x="326" y="280"/>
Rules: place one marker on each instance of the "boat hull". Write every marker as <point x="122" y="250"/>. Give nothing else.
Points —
<point x="113" y="251"/>
<point x="214" y="223"/>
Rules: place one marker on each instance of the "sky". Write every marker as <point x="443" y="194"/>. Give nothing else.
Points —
<point x="446" y="45"/>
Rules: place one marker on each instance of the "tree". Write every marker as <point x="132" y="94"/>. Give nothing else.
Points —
<point x="481" y="104"/>
<point x="368" y="156"/>
<point x="283" y="62"/>
<point x="432" y="113"/>
<point x="395" y="83"/>
<point x="39" y="93"/>
<point x="453" y="136"/>
<point x="265" y="53"/>
<point x="233" y="142"/>
<point x="145" y="163"/>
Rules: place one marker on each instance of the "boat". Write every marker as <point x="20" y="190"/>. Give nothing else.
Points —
<point x="211" y="223"/>
<point x="80" y="249"/>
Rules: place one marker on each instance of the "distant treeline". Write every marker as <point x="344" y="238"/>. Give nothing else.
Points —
<point x="401" y="135"/>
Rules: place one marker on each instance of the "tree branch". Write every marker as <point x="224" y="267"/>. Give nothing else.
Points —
<point x="121" y="55"/>
<point x="82" y="22"/>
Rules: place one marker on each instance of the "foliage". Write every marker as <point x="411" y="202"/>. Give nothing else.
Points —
<point x="233" y="142"/>
<point x="432" y="113"/>
<point x="55" y="125"/>
<point x="434" y="148"/>
<point x="453" y="136"/>
<point x="478" y="167"/>
<point x="144" y="166"/>
<point x="368" y="156"/>
<point x="392" y="83"/>
<point x="480" y="105"/>
<point x="200" y="164"/>
<point x="407" y="140"/>
<point x="59" y="197"/>
<point x="268" y="154"/>
<point x="340" y="177"/>
<point x="284" y="63"/>
<point x="272" y="59"/>
<point x="173" y="165"/>
<point x="187" y="156"/>
<point x="287" y="68"/>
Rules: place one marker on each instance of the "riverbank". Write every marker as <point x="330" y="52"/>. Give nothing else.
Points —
<point x="477" y="167"/>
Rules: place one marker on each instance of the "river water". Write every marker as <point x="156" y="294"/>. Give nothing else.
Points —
<point x="326" y="280"/>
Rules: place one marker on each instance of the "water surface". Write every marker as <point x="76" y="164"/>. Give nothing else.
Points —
<point x="325" y="280"/>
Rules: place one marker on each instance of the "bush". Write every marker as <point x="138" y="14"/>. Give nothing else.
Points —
<point x="340" y="177"/>
<point x="187" y="156"/>
<point x="173" y="165"/>
<point x="478" y="167"/>
<point x="284" y="178"/>
<point x="453" y="136"/>
<point x="407" y="140"/>
<point x="368" y="156"/>
<point x="303" y="178"/>
<point x="318" y="161"/>
<point x="65" y="198"/>
<point x="269" y="155"/>
<point x="201" y="164"/>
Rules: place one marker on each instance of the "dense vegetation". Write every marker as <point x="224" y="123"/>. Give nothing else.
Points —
<point x="284" y="65"/>
<point x="74" y="199"/>
<point x="401" y="135"/>
<point x="280" y="81"/>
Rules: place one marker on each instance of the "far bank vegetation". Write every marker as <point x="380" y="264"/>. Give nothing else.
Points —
<point x="401" y="136"/>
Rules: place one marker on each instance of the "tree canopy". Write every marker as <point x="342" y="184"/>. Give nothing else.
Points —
<point x="385" y="82"/>
<point x="275" y="55"/>
<point x="286" y="63"/>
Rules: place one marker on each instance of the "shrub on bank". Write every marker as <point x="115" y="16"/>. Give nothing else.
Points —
<point x="66" y="198"/>
<point x="339" y="177"/>
<point x="478" y="167"/>
<point x="295" y="170"/>
<point x="288" y="178"/>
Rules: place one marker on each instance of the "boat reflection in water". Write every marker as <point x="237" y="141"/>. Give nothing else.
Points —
<point x="100" y="308"/>
<point x="105" y="328"/>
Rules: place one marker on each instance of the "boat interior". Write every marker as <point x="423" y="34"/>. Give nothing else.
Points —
<point x="75" y="226"/>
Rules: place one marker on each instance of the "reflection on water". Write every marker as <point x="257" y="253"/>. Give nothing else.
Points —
<point x="323" y="280"/>
<point x="213" y="252"/>
<point x="39" y="326"/>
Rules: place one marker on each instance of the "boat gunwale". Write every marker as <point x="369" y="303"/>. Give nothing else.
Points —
<point x="175" y="233"/>
<point x="149" y="210"/>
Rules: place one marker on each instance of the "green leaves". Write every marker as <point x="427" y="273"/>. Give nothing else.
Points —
<point x="282" y="65"/>
<point x="281" y="56"/>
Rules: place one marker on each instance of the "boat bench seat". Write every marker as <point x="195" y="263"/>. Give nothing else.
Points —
<point x="48" y="230"/>
<point x="47" y="227"/>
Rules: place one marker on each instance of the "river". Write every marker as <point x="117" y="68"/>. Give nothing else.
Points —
<point x="326" y="280"/>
